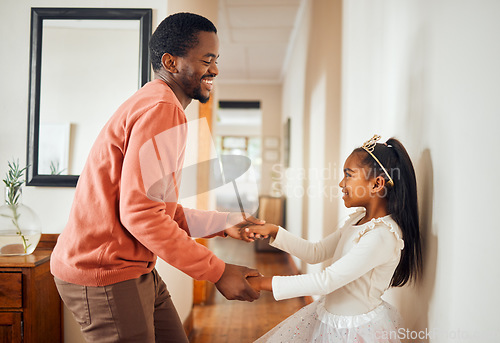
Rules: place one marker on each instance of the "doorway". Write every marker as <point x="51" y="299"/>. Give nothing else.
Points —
<point x="238" y="128"/>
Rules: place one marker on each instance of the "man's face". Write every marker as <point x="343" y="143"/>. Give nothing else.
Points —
<point x="198" y="68"/>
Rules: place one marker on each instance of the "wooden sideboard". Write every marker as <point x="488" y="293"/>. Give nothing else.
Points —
<point x="30" y="306"/>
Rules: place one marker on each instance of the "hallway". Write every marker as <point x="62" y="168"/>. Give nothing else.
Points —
<point x="220" y="320"/>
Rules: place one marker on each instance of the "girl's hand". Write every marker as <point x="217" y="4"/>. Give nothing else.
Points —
<point x="257" y="231"/>
<point x="261" y="283"/>
<point x="236" y="222"/>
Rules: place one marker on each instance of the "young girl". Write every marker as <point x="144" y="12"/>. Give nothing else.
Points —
<point x="378" y="247"/>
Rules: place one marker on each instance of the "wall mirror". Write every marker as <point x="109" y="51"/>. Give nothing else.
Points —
<point x="84" y="63"/>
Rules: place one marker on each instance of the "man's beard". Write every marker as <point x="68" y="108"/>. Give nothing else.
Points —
<point x="196" y="93"/>
<point x="198" y="96"/>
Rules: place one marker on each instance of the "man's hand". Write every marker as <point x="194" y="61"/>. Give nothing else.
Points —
<point x="237" y="222"/>
<point x="233" y="284"/>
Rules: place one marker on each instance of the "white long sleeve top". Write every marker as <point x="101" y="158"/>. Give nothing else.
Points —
<point x="364" y="260"/>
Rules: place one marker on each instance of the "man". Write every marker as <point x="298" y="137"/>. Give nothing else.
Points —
<point x="125" y="210"/>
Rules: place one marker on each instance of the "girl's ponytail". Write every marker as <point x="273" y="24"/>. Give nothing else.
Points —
<point x="402" y="204"/>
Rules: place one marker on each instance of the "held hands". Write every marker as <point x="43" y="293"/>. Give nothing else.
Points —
<point x="238" y="221"/>
<point x="233" y="283"/>
<point x="261" y="283"/>
<point x="258" y="231"/>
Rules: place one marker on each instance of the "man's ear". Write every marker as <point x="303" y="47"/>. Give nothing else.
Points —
<point x="378" y="184"/>
<point x="169" y="63"/>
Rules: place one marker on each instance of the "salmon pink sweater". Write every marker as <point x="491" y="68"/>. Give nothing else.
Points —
<point x="125" y="211"/>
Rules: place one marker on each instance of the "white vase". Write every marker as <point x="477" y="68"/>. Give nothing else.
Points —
<point x="20" y="228"/>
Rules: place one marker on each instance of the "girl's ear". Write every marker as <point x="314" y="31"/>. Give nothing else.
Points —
<point x="378" y="184"/>
<point x="169" y="63"/>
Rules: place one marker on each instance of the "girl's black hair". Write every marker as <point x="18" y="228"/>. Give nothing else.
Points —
<point x="176" y="35"/>
<point x="402" y="203"/>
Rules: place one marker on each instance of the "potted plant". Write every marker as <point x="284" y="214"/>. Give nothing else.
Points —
<point x="20" y="229"/>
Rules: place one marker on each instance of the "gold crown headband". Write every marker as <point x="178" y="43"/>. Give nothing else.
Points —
<point x="369" y="146"/>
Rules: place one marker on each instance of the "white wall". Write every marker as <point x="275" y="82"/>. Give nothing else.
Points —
<point x="427" y="71"/>
<point x="311" y="99"/>
<point x="293" y="102"/>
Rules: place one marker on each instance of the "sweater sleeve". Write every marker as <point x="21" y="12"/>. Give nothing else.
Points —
<point x="203" y="223"/>
<point x="149" y="192"/>
<point x="309" y="252"/>
<point x="200" y="223"/>
<point x="374" y="248"/>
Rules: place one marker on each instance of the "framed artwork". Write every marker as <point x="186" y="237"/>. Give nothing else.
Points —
<point x="286" y="143"/>
<point x="271" y="155"/>
<point x="54" y="148"/>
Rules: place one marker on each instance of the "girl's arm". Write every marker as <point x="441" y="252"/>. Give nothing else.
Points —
<point x="376" y="247"/>
<point x="309" y="252"/>
<point x="261" y="283"/>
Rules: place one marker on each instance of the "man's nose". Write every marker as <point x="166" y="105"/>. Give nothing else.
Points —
<point x="213" y="69"/>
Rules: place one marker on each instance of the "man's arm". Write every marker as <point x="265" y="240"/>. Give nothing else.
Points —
<point x="200" y="223"/>
<point x="207" y="224"/>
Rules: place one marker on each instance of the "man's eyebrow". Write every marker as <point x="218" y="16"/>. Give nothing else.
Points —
<point x="210" y="55"/>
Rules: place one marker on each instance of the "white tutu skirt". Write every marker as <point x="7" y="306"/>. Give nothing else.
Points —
<point x="313" y="323"/>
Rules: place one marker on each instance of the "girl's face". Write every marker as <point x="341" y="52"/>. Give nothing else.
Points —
<point x="357" y="184"/>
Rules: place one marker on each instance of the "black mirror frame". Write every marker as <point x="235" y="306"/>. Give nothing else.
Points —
<point x="38" y="15"/>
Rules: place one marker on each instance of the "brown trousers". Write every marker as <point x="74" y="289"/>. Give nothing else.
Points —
<point x="138" y="310"/>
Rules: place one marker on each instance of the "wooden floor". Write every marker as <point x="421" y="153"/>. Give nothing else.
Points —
<point x="221" y="320"/>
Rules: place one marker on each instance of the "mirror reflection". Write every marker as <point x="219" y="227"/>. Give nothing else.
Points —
<point x="89" y="67"/>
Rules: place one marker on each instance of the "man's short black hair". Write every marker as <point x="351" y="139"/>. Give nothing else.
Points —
<point x="176" y="35"/>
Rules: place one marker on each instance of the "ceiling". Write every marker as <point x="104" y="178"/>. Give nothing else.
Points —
<point x="255" y="39"/>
